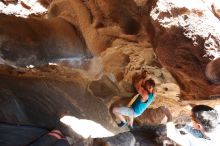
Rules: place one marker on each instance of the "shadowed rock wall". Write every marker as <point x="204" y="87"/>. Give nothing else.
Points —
<point x="38" y="41"/>
<point x="187" y="39"/>
<point x="103" y="45"/>
<point x="40" y="98"/>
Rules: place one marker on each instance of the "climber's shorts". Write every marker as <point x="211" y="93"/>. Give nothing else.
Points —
<point x="126" y="111"/>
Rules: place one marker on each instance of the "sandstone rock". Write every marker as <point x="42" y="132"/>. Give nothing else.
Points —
<point x="104" y="88"/>
<point x="22" y="8"/>
<point x="213" y="71"/>
<point x="113" y="40"/>
<point x="156" y="116"/>
<point x="23" y="46"/>
<point x="6" y="2"/>
<point x="42" y="99"/>
<point x="184" y="46"/>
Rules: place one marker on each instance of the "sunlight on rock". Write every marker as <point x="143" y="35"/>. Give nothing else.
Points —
<point x="22" y="8"/>
<point x="52" y="63"/>
<point x="204" y="26"/>
<point x="86" y="128"/>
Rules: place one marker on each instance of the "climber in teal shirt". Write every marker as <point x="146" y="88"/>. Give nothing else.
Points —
<point x="138" y="104"/>
<point x="139" y="107"/>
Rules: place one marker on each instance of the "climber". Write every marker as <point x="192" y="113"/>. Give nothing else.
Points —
<point x="204" y="132"/>
<point x="138" y="104"/>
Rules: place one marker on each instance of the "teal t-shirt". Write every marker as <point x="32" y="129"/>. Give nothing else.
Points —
<point x="139" y="107"/>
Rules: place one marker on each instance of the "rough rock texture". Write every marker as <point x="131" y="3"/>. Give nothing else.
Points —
<point x="40" y="98"/>
<point x="213" y="71"/>
<point x="23" y="8"/>
<point x="30" y="44"/>
<point x="188" y="36"/>
<point x="160" y="115"/>
<point x="80" y="60"/>
<point x="99" y="22"/>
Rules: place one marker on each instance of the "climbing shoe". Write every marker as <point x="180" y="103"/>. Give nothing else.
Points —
<point x="130" y="127"/>
<point x="122" y="124"/>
